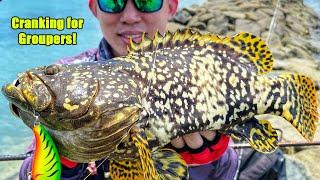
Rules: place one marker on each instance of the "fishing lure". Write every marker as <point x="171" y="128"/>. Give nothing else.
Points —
<point x="46" y="162"/>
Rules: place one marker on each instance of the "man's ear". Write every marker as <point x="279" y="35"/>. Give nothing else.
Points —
<point x="173" y="6"/>
<point x="93" y="7"/>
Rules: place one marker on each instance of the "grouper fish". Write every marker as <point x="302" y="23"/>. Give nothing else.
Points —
<point x="167" y="86"/>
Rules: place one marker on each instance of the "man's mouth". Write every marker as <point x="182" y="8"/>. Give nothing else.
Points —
<point x="135" y="36"/>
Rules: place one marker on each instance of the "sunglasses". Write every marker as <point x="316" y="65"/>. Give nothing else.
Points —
<point x="116" y="6"/>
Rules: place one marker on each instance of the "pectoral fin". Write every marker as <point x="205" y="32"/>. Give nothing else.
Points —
<point x="259" y="133"/>
<point x="161" y="164"/>
<point x="170" y="164"/>
<point x="126" y="169"/>
<point x="147" y="163"/>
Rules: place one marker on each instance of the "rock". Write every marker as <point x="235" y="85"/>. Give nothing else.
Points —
<point x="226" y="7"/>
<point x="278" y="56"/>
<point x="318" y="65"/>
<point x="256" y="15"/>
<point x="264" y="23"/>
<point x="279" y="29"/>
<point x="295" y="170"/>
<point x="299" y="53"/>
<point x="278" y="64"/>
<point x="231" y="33"/>
<point x="205" y="17"/>
<point x="195" y="23"/>
<point x="251" y="5"/>
<point x="303" y="66"/>
<point x="280" y="15"/>
<point x="289" y="33"/>
<point x="236" y="15"/>
<point x="191" y="11"/>
<point x="273" y="42"/>
<point x="172" y="26"/>
<point x="252" y="16"/>
<point x="308" y="159"/>
<point x="268" y="11"/>
<point x="300" y="28"/>
<point x="301" y="43"/>
<point x="219" y="30"/>
<point x="218" y="25"/>
<point x="297" y="27"/>
<point x="194" y="20"/>
<point x="198" y="25"/>
<point x="182" y="17"/>
<point x="243" y="25"/>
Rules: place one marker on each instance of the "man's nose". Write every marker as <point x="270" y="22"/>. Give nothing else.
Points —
<point x="130" y="14"/>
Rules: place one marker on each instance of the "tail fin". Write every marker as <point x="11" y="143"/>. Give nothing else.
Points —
<point x="297" y="103"/>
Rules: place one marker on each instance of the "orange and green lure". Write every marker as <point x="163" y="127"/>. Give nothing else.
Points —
<point x="46" y="162"/>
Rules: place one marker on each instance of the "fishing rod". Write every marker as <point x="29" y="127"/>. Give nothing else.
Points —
<point x="246" y="145"/>
<point x="235" y="146"/>
<point x="14" y="157"/>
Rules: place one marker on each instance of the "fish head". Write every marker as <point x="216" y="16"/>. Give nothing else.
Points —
<point x="57" y="93"/>
<point x="88" y="108"/>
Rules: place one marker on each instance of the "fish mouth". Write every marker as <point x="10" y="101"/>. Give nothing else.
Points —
<point x="29" y="93"/>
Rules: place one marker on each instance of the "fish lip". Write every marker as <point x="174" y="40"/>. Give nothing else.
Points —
<point x="32" y="77"/>
<point x="14" y="93"/>
<point x="18" y="100"/>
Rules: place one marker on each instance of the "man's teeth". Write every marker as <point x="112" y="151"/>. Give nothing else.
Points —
<point x="133" y="36"/>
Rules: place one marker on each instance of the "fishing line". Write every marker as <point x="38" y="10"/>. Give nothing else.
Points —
<point x="96" y="167"/>
<point x="273" y="22"/>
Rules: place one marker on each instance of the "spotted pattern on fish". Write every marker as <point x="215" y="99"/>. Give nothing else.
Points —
<point x="207" y="83"/>
<point x="167" y="86"/>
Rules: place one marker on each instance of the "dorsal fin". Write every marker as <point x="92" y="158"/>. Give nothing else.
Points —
<point x="254" y="48"/>
<point x="250" y="46"/>
<point x="169" y="39"/>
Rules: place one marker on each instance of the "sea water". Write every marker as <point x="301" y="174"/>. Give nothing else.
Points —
<point x="14" y="135"/>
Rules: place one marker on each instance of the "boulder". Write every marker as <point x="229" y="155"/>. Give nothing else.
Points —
<point x="307" y="161"/>
<point x="235" y="15"/>
<point x="182" y="17"/>
<point x="243" y="25"/>
<point x="218" y="25"/>
<point x="172" y="26"/>
<point x="206" y="17"/>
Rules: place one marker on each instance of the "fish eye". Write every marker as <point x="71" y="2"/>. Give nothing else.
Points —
<point x="51" y="70"/>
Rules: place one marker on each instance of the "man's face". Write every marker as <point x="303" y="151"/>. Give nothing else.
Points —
<point x="117" y="28"/>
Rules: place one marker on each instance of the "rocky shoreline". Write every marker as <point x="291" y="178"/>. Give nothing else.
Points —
<point x="293" y="35"/>
<point x="294" y="41"/>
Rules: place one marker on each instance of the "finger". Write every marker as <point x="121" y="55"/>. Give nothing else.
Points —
<point x="92" y="171"/>
<point x="92" y="168"/>
<point x="209" y="135"/>
<point x="178" y="142"/>
<point x="193" y="140"/>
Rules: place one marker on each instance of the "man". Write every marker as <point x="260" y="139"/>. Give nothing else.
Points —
<point x="205" y="152"/>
